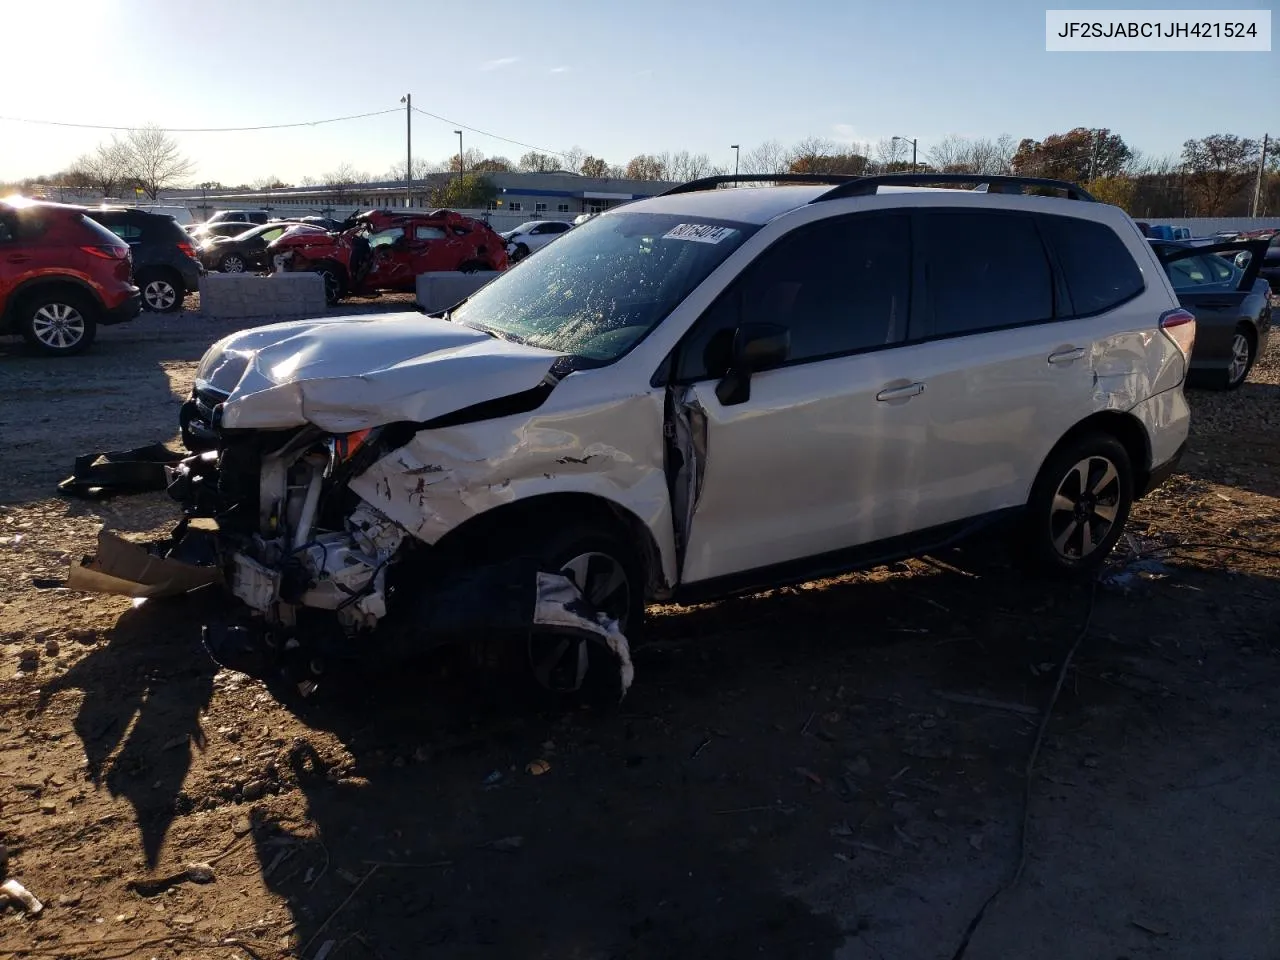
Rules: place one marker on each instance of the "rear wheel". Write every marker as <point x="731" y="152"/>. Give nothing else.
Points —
<point x="1079" y="505"/>
<point x="60" y="323"/>
<point x="1242" y="357"/>
<point x="162" y="292"/>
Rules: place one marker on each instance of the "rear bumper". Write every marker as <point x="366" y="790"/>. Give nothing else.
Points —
<point x="129" y="308"/>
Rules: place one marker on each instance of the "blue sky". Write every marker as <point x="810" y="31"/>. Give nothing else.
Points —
<point x="616" y="79"/>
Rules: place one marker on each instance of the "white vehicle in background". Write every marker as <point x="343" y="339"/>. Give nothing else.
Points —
<point x="705" y="393"/>
<point x="534" y="235"/>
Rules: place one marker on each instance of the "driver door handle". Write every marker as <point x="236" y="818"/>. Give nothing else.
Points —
<point x="1067" y="356"/>
<point x="901" y="393"/>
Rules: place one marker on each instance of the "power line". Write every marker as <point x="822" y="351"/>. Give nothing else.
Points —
<point x="486" y="133"/>
<point x="268" y="126"/>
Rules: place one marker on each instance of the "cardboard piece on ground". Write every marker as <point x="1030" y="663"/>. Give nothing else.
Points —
<point x="126" y="568"/>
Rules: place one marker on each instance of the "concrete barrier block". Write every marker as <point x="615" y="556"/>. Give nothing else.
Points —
<point x="439" y="291"/>
<point x="238" y="295"/>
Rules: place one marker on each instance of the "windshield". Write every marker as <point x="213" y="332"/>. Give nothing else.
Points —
<point x="599" y="289"/>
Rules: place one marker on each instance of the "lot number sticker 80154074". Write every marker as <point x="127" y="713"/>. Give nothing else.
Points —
<point x="699" y="233"/>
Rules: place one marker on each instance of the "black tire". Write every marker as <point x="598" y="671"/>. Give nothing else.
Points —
<point x="59" y="323"/>
<point x="335" y="287"/>
<point x="1072" y="536"/>
<point x="557" y="550"/>
<point x="162" y="291"/>
<point x="233" y="263"/>
<point x="521" y="252"/>
<point x="1244" y="351"/>
<point x="472" y="266"/>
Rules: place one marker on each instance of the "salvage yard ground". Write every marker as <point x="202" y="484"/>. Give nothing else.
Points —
<point x="796" y="774"/>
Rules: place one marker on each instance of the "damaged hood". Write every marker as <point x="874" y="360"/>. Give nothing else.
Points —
<point x="351" y="374"/>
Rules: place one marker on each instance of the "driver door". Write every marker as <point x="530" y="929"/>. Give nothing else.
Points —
<point x="810" y="462"/>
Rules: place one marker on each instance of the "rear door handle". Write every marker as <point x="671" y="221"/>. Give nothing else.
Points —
<point x="901" y="393"/>
<point x="1066" y="356"/>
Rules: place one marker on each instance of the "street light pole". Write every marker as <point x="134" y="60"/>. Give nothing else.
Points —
<point x="913" y="150"/>
<point x="736" y="152"/>
<point x="460" y="170"/>
<point x="407" y="100"/>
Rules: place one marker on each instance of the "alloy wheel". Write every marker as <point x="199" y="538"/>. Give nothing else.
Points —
<point x="1240" y="356"/>
<point x="159" y="295"/>
<point x="232" y="264"/>
<point x="59" y="326"/>
<point x="1085" y="507"/>
<point x="560" y="663"/>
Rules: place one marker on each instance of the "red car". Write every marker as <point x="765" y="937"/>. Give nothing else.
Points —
<point x="386" y="250"/>
<point x="61" y="275"/>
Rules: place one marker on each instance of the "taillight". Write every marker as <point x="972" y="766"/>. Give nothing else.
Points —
<point x="1180" y="327"/>
<point x="187" y="249"/>
<point x="108" y="251"/>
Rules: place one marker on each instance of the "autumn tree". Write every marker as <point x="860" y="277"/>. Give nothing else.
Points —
<point x="1119" y="191"/>
<point x="593" y="167"/>
<point x="1219" y="169"/>
<point x="535" y="162"/>
<point x="1078" y="155"/>
<point x="155" y="161"/>
<point x="493" y="165"/>
<point x="645" y="166"/>
<point x="106" y="167"/>
<point x="470" y="191"/>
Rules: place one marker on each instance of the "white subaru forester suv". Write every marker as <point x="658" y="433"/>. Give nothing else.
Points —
<point x="708" y="392"/>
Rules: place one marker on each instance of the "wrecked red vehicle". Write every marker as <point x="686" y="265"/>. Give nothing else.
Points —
<point x="386" y="250"/>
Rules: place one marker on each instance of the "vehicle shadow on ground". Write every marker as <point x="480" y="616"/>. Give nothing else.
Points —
<point x="1220" y="451"/>
<point x="139" y="719"/>
<point x="682" y="822"/>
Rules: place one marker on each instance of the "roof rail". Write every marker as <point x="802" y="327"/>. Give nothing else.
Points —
<point x="866" y="186"/>
<point x="710" y="183"/>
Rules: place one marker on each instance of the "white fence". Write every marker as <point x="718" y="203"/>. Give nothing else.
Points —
<point x="1207" y="226"/>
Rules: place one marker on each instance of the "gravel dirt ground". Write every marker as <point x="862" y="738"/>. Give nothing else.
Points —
<point x="795" y="774"/>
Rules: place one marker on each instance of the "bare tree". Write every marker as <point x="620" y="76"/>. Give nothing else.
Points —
<point x="155" y="160"/>
<point x="422" y="168"/>
<point x="572" y="158"/>
<point x="683" y="165"/>
<point x="106" y="167"/>
<point x="342" y="179"/>
<point x="890" y="154"/>
<point x="768" y="157"/>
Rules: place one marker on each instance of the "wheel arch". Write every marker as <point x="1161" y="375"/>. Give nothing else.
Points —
<point x="1126" y="428"/>
<point x="36" y="286"/>
<point x="542" y="509"/>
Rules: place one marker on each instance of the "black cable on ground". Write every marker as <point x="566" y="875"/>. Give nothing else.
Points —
<point x="1029" y="780"/>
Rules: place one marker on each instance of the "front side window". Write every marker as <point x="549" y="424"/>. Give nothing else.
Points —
<point x="384" y="237"/>
<point x="839" y="286"/>
<point x="601" y="289"/>
<point x="1099" y="270"/>
<point x="429" y="233"/>
<point x="985" y="271"/>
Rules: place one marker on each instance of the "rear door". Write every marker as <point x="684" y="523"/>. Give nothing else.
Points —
<point x="1008" y="355"/>
<point x="432" y="247"/>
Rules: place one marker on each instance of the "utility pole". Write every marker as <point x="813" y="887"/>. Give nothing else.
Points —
<point x="460" y="170"/>
<point x="407" y="100"/>
<point x="913" y="143"/>
<point x="1257" y="185"/>
<point x="734" y="148"/>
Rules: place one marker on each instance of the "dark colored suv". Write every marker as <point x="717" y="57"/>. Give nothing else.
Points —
<point x="61" y="275"/>
<point x="165" y="267"/>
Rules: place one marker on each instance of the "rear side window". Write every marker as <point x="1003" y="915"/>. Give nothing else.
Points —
<point x="1099" y="270"/>
<point x="429" y="233"/>
<point x="125" y="231"/>
<point x="985" y="271"/>
<point x="100" y="233"/>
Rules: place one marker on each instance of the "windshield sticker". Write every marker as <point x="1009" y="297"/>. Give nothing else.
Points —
<point x="699" y="233"/>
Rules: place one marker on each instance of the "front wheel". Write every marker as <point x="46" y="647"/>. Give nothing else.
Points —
<point x="334" y="288"/>
<point x="520" y="252"/>
<point x="232" y="263"/>
<point x="1079" y="505"/>
<point x="59" y="324"/>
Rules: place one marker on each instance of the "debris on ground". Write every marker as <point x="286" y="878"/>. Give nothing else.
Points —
<point x="15" y="892"/>
<point x="139" y="570"/>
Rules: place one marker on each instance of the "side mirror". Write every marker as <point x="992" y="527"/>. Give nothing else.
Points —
<point x="756" y="347"/>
